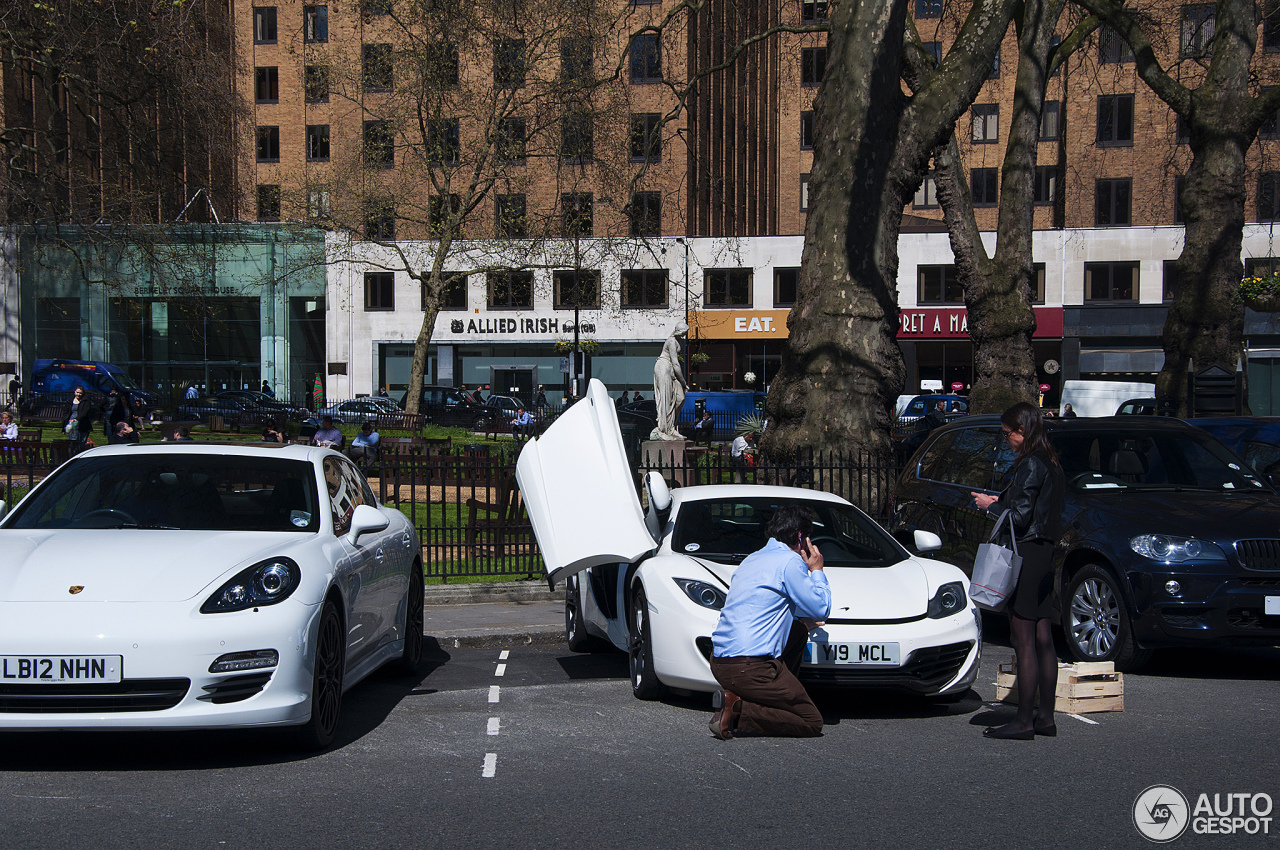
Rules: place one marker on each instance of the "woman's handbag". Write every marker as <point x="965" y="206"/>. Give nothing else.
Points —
<point x="995" y="571"/>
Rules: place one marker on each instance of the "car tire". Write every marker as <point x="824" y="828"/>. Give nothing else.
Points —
<point x="481" y="424"/>
<point x="326" y="683"/>
<point x="644" y="681"/>
<point x="1096" y="621"/>
<point x="408" y="662"/>
<point x="575" y="628"/>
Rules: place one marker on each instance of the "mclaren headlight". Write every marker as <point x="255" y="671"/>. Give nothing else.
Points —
<point x="1175" y="550"/>
<point x="950" y="599"/>
<point x="706" y="595"/>
<point x="265" y="583"/>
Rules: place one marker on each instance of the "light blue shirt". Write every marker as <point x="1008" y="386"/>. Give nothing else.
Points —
<point x="768" y="591"/>
<point x="361" y="440"/>
<point x="522" y="419"/>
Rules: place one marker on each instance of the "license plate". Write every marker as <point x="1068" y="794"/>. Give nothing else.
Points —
<point x="886" y="654"/>
<point x="1272" y="605"/>
<point x="59" y="669"/>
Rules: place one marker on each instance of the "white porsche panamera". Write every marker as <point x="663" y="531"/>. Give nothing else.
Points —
<point x="653" y="584"/>
<point x="189" y="585"/>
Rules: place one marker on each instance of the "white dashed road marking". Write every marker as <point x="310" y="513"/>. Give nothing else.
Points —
<point x="501" y="671"/>
<point x="490" y="765"/>
<point x="493" y="725"/>
<point x="493" y="693"/>
<point x="506" y="653"/>
<point x="1084" y="719"/>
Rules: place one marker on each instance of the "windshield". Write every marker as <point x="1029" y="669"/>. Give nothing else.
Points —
<point x="125" y="381"/>
<point x="728" y="530"/>
<point x="1135" y="460"/>
<point x="176" y="491"/>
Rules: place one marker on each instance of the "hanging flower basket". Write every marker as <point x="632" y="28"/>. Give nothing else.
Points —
<point x="1261" y="293"/>
<point x="700" y="359"/>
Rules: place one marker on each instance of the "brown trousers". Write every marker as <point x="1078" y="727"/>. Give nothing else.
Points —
<point x="773" y="700"/>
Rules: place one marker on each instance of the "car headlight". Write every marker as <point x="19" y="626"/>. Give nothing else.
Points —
<point x="706" y="595"/>
<point x="265" y="583"/>
<point x="1163" y="547"/>
<point x="950" y="599"/>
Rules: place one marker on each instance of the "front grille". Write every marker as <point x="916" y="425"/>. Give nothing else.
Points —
<point x="1259" y="554"/>
<point x="1261" y="583"/>
<point x="925" y="672"/>
<point x="1186" y="618"/>
<point x="235" y="688"/>
<point x="129" y="695"/>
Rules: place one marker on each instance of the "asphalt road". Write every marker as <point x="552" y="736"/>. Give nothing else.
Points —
<point x="544" y="748"/>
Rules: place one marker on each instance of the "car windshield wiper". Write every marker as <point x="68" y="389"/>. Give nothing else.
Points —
<point x="720" y="556"/>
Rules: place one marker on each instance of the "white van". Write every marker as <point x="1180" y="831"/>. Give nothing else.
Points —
<point x="1102" y="398"/>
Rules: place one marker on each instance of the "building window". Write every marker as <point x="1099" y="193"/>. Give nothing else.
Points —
<point x="1054" y="41"/>
<point x="1182" y="130"/>
<point x="317" y="142"/>
<point x="727" y="287"/>
<point x="1199" y="23"/>
<point x="376" y="7"/>
<point x="785" y="284"/>
<point x="646" y="60"/>
<point x="1111" y="208"/>
<point x="315" y="84"/>
<point x="1037" y="297"/>
<point x="453" y="292"/>
<point x="577" y="139"/>
<point x="813" y="10"/>
<point x="813" y="65"/>
<point x="1271" y="26"/>
<point x="1046" y="190"/>
<point x="934" y="49"/>
<point x="509" y="140"/>
<point x="509" y="63"/>
<point x="377" y="67"/>
<point x="1270" y="127"/>
<point x="986" y="123"/>
<point x="1269" y="196"/>
<point x="380" y="219"/>
<point x="1049" y="124"/>
<point x="928" y="8"/>
<point x="511" y="220"/>
<point x="938" y="285"/>
<point x="379" y="143"/>
<point x="1179" y="217"/>
<point x="318" y="203"/>
<point x="644" y="288"/>
<point x="576" y="215"/>
<point x="984" y="186"/>
<point x="268" y="144"/>
<point x="804" y="193"/>
<point x="444" y="141"/>
<point x="442" y="65"/>
<point x="806" y="130"/>
<point x="1115" y="119"/>
<point x="268" y="202"/>
<point x="580" y="289"/>
<point x="645" y="214"/>
<point x="315" y="24"/>
<point x="510" y="290"/>
<point x="444" y="214"/>
<point x="264" y="24"/>
<point x="993" y="73"/>
<point x="577" y="60"/>
<point x="646" y="137"/>
<point x="1169" y="282"/>
<point x="1112" y="49"/>
<point x="1110" y="281"/>
<point x="379" y="291"/>
<point x="266" y="85"/>
<point x="927" y="194"/>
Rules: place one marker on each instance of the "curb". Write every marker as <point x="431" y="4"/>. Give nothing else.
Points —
<point x="506" y="591"/>
<point x="493" y="641"/>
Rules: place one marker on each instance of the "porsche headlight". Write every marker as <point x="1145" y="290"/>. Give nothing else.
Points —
<point x="265" y="583"/>
<point x="950" y="599"/>
<point x="1163" y="547"/>
<point x="706" y="595"/>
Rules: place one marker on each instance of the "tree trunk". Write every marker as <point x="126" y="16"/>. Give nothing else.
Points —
<point x="433" y="282"/>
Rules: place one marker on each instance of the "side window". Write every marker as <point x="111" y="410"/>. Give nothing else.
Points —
<point x="972" y="458"/>
<point x="1262" y="456"/>
<point x="936" y="460"/>
<point x="917" y="407"/>
<point x="345" y="493"/>
<point x="1005" y="456"/>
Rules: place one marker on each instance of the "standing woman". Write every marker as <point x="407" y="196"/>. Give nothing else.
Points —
<point x="78" y="422"/>
<point x="1034" y="500"/>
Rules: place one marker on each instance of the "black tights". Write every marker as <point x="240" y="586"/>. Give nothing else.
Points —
<point x="1037" y="668"/>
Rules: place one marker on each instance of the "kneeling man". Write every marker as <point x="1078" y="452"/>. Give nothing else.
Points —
<point x="776" y="596"/>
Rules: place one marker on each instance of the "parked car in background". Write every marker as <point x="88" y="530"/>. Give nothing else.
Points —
<point x="500" y="410"/>
<point x="260" y="401"/>
<point x="1254" y="438"/>
<point x="359" y="410"/>
<point x="914" y="425"/>
<point x="1137" y="407"/>
<point x="1169" y="540"/>
<point x="235" y="414"/>
<point x="95" y="377"/>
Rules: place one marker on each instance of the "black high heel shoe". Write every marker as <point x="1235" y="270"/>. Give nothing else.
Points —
<point x="1003" y="733"/>
<point x="1049" y="730"/>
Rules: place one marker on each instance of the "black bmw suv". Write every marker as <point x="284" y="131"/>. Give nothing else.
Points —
<point x="1170" y="538"/>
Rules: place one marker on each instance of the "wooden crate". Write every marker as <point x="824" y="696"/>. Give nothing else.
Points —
<point x="1083" y="688"/>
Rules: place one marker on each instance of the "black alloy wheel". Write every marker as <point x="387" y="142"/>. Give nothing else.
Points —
<point x="644" y="682"/>
<point x="326" y="683"/>
<point x="413" y="639"/>
<point x="1096" y="622"/>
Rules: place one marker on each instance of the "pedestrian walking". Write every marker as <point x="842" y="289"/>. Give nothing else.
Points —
<point x="1034" y="499"/>
<point x="77" y="421"/>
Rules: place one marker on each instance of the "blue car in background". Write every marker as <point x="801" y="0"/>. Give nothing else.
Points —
<point x="1254" y="438"/>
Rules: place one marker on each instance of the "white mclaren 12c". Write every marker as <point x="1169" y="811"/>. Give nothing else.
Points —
<point x="652" y="584"/>
<point x="199" y="585"/>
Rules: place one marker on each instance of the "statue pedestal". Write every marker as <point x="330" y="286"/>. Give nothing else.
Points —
<point x="666" y="456"/>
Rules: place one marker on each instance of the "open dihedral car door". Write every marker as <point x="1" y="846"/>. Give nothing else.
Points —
<point x="578" y="489"/>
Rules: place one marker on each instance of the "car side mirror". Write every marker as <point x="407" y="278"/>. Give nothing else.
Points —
<point x="364" y="519"/>
<point x="926" y="541"/>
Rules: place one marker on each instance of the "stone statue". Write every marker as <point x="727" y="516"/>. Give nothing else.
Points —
<point x="668" y="386"/>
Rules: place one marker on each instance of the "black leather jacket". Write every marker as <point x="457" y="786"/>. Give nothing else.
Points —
<point x="1034" y="498"/>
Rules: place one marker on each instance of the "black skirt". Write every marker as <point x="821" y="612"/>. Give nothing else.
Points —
<point x="1033" y="595"/>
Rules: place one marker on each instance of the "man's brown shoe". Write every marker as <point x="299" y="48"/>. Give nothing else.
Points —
<point x="728" y="706"/>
